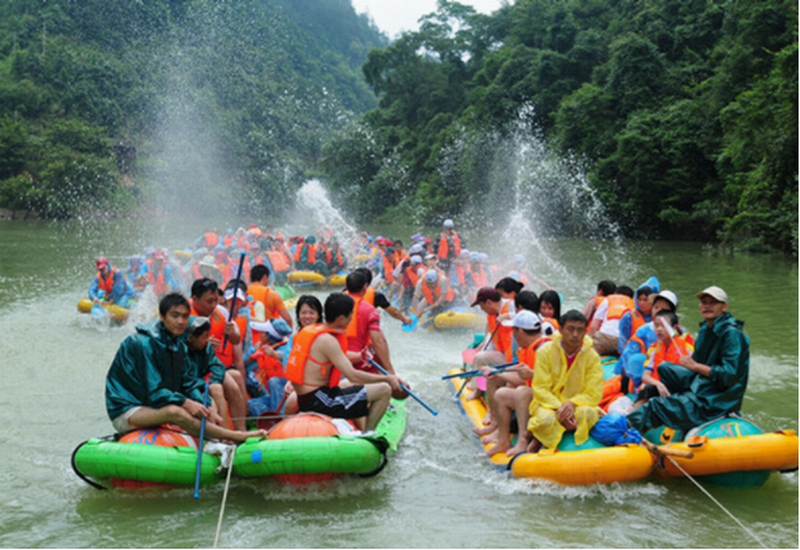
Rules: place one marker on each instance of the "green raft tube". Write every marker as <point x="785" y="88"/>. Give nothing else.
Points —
<point x="167" y="457"/>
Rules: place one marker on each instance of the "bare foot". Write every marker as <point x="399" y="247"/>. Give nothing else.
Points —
<point x="476" y="394"/>
<point x="490" y="440"/>
<point x="244" y="436"/>
<point x="520" y="447"/>
<point x="534" y="446"/>
<point x="498" y="448"/>
<point x="488" y="418"/>
<point x="486" y="430"/>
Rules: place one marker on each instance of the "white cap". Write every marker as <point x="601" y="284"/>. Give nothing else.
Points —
<point x="432" y="276"/>
<point x="416" y="259"/>
<point x="526" y="320"/>
<point x="240" y="294"/>
<point x="715" y="292"/>
<point x="448" y="224"/>
<point x="669" y="296"/>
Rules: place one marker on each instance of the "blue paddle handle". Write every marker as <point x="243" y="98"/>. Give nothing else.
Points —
<point x="403" y="386"/>
<point x="469" y="373"/>
<point x="200" y="447"/>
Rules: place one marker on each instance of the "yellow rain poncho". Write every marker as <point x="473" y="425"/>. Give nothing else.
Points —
<point x="553" y="385"/>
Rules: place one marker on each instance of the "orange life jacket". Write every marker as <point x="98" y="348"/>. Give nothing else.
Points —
<point x="278" y="261"/>
<point x="158" y="280"/>
<point x="336" y="260"/>
<point x="259" y="293"/>
<point x="443" y="250"/>
<point x="411" y="273"/>
<point x="678" y="347"/>
<point x="227" y="240"/>
<point x="527" y="356"/>
<point x="106" y="284"/>
<point x="312" y="252"/>
<point x="637" y="320"/>
<point x="479" y="276"/>
<point x="369" y="297"/>
<point x="503" y="335"/>
<point x="212" y="239"/>
<point x="301" y="353"/>
<point x="352" y="328"/>
<point x="618" y="305"/>
<point x="218" y="321"/>
<point x="268" y="366"/>
<point x="388" y="268"/>
<point x="432" y="295"/>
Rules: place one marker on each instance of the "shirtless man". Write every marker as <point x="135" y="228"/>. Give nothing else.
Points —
<point x="317" y="362"/>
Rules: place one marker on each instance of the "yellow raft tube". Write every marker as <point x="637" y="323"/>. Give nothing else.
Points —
<point x="117" y="313"/>
<point x="578" y="467"/>
<point x="454" y="319"/>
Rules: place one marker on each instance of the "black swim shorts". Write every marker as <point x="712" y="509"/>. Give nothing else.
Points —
<point x="350" y="402"/>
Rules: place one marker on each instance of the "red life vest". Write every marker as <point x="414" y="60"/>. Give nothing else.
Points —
<point x="301" y="353"/>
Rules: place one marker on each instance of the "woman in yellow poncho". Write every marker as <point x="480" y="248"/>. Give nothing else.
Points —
<point x="567" y="385"/>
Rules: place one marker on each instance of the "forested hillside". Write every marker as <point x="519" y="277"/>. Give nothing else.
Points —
<point x="684" y="112"/>
<point x="108" y="105"/>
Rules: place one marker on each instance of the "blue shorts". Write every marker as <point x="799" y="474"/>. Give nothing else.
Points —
<point x="350" y="402"/>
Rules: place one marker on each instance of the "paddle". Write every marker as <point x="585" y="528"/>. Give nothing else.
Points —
<point x="235" y="295"/>
<point x="412" y="325"/>
<point x="403" y="387"/>
<point x="476" y="372"/>
<point x="200" y="446"/>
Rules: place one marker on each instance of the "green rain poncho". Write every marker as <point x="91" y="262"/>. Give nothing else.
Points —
<point x="150" y="369"/>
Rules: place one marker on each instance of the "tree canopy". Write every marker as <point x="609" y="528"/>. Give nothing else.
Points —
<point x="684" y="112"/>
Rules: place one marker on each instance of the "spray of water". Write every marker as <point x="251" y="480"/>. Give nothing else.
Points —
<point x="315" y="212"/>
<point x="538" y="203"/>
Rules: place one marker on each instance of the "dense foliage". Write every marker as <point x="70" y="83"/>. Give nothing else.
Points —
<point x="188" y="102"/>
<point x="685" y="111"/>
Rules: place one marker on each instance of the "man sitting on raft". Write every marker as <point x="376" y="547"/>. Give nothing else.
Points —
<point x="567" y="386"/>
<point x="150" y="382"/>
<point x="708" y="384"/>
<point x="318" y="360"/>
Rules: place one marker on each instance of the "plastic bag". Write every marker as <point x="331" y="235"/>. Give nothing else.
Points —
<point x="613" y="429"/>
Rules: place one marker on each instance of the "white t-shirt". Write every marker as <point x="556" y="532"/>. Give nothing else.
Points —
<point x="608" y="326"/>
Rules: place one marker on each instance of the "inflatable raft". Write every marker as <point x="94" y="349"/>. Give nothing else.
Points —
<point x="164" y="456"/>
<point x="306" y="278"/>
<point x="730" y="451"/>
<point x="300" y="449"/>
<point x="117" y="313"/>
<point x="457" y="318"/>
<point x="309" y="447"/>
<point x="569" y="465"/>
<point x="337" y="279"/>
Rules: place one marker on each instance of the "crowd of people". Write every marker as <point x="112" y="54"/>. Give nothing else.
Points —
<point x="537" y="364"/>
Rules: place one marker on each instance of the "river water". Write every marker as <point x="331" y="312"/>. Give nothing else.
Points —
<point x="437" y="490"/>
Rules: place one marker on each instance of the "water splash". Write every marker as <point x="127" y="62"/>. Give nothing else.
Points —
<point x="535" y="202"/>
<point x="312" y="198"/>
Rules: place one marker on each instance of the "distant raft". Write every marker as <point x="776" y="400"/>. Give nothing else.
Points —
<point x="306" y="278"/>
<point x="337" y="279"/>
<point x="117" y="313"/>
<point x="458" y="318"/>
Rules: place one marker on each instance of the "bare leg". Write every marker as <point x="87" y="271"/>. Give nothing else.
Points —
<point x="218" y="396"/>
<point x="173" y="414"/>
<point x="237" y="405"/>
<point x="504" y="398"/>
<point x="522" y="403"/>
<point x="378" y="396"/>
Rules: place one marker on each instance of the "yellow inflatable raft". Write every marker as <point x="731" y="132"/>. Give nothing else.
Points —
<point x="117" y="313"/>
<point x="306" y="278"/>
<point x="459" y="319"/>
<point x="591" y="463"/>
<point x="337" y="279"/>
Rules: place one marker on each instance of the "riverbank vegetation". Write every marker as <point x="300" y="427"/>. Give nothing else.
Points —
<point x="102" y="103"/>
<point x="685" y="112"/>
<point x="683" y="115"/>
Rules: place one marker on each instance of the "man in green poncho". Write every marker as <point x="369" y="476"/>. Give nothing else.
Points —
<point x="150" y="382"/>
<point x="711" y="382"/>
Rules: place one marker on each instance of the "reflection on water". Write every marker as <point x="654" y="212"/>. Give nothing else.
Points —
<point x="436" y="492"/>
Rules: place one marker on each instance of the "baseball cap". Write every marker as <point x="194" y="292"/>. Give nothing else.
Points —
<point x="196" y="323"/>
<point x="240" y="295"/>
<point x="432" y="276"/>
<point x="101" y="263"/>
<point x="276" y="329"/>
<point x="416" y="259"/>
<point x="669" y="296"/>
<point x="715" y="292"/>
<point x="526" y="320"/>
<point x="486" y="293"/>
<point x="448" y="224"/>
